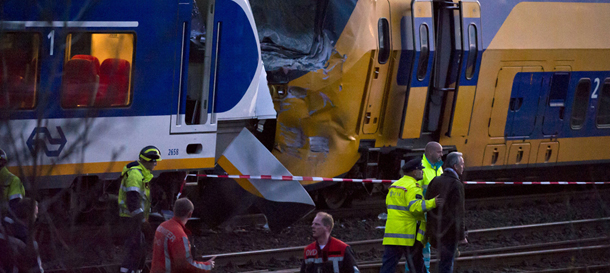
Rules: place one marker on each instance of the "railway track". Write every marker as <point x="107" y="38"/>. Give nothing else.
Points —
<point x="498" y="259"/>
<point x="288" y="253"/>
<point x="468" y="259"/>
<point x="374" y="207"/>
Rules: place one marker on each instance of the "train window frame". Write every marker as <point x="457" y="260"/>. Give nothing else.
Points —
<point x="560" y="82"/>
<point x="422" y="64"/>
<point x="605" y="90"/>
<point x="580" y="103"/>
<point x="383" y="35"/>
<point x="68" y="55"/>
<point x="473" y="51"/>
<point x="36" y="57"/>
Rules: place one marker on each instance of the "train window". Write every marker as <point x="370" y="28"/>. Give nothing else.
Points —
<point x="581" y="101"/>
<point x="97" y="70"/>
<point x="603" y="105"/>
<point x="422" y="66"/>
<point x="383" y="29"/>
<point x="473" y="51"/>
<point x="559" y="89"/>
<point x="19" y="69"/>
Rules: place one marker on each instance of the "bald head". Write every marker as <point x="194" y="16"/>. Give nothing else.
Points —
<point x="433" y="151"/>
<point x="183" y="208"/>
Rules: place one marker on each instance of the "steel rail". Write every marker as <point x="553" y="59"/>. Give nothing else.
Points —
<point x="239" y="258"/>
<point x="287" y="253"/>
<point x="512" y="257"/>
<point x="369" y="207"/>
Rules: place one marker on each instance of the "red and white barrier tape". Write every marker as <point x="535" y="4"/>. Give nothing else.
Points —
<point x="311" y="178"/>
<point x="294" y="178"/>
<point x="535" y="183"/>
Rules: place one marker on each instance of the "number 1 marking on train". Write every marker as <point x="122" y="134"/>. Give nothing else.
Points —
<point x="51" y="37"/>
<point x="594" y="95"/>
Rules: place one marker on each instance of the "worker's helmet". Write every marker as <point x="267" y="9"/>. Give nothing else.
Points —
<point x="150" y="153"/>
<point x="2" y="155"/>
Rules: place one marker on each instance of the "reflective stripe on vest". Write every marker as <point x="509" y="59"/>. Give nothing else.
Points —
<point x="168" y="260"/>
<point x="126" y="189"/>
<point x="399" y="235"/>
<point x="399" y="187"/>
<point x="398" y="207"/>
<point x="423" y="204"/>
<point x="189" y="258"/>
<point x="15" y="196"/>
<point x="423" y="233"/>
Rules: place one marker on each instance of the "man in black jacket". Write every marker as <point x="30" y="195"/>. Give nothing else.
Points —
<point x="445" y="228"/>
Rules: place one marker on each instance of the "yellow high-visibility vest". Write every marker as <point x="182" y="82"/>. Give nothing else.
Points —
<point x="429" y="172"/>
<point x="406" y="208"/>
<point x="135" y="178"/>
<point x="13" y="188"/>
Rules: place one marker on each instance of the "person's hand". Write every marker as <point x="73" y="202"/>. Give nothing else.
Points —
<point x="463" y="242"/>
<point x="211" y="261"/>
<point x="439" y="201"/>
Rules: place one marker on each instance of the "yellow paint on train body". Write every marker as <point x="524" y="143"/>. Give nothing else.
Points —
<point x="539" y="36"/>
<point x="356" y="98"/>
<point x="326" y="104"/>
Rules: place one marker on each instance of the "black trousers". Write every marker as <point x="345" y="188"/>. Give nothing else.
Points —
<point x="392" y="254"/>
<point x="135" y="247"/>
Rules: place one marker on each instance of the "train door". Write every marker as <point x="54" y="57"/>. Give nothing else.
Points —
<point x="523" y="103"/>
<point x="554" y="110"/>
<point x="472" y="49"/>
<point x="456" y="64"/>
<point x="193" y="112"/>
<point x="225" y="70"/>
<point x="422" y="27"/>
<point x="378" y="70"/>
<point x="500" y="103"/>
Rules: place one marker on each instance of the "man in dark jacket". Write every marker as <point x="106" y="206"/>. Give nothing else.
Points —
<point x="19" y="249"/>
<point x="327" y="254"/>
<point x="446" y="227"/>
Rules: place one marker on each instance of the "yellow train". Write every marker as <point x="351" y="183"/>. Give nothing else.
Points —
<point x="511" y="84"/>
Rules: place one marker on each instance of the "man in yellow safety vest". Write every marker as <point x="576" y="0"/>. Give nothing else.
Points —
<point x="431" y="160"/>
<point x="12" y="189"/>
<point x="406" y="225"/>
<point x="134" y="206"/>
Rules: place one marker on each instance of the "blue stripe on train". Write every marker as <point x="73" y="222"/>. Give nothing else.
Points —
<point x="156" y="64"/>
<point x="536" y="111"/>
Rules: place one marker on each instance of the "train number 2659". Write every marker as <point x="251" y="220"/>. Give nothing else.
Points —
<point x="173" y="152"/>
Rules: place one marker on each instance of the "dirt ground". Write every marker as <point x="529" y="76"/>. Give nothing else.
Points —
<point x="97" y="246"/>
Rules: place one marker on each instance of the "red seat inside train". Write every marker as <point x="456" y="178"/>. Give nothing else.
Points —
<point x="80" y="82"/>
<point x="93" y="59"/>
<point x="16" y="89"/>
<point x="114" y="82"/>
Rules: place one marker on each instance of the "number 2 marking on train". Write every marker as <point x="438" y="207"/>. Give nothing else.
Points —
<point x="51" y="37"/>
<point x="594" y="95"/>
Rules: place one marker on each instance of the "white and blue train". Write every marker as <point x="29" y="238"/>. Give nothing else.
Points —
<point x="84" y="85"/>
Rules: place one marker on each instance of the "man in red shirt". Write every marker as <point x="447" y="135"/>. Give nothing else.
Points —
<point x="172" y="249"/>
<point x="327" y="254"/>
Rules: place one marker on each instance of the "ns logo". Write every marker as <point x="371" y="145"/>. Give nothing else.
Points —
<point x="311" y="252"/>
